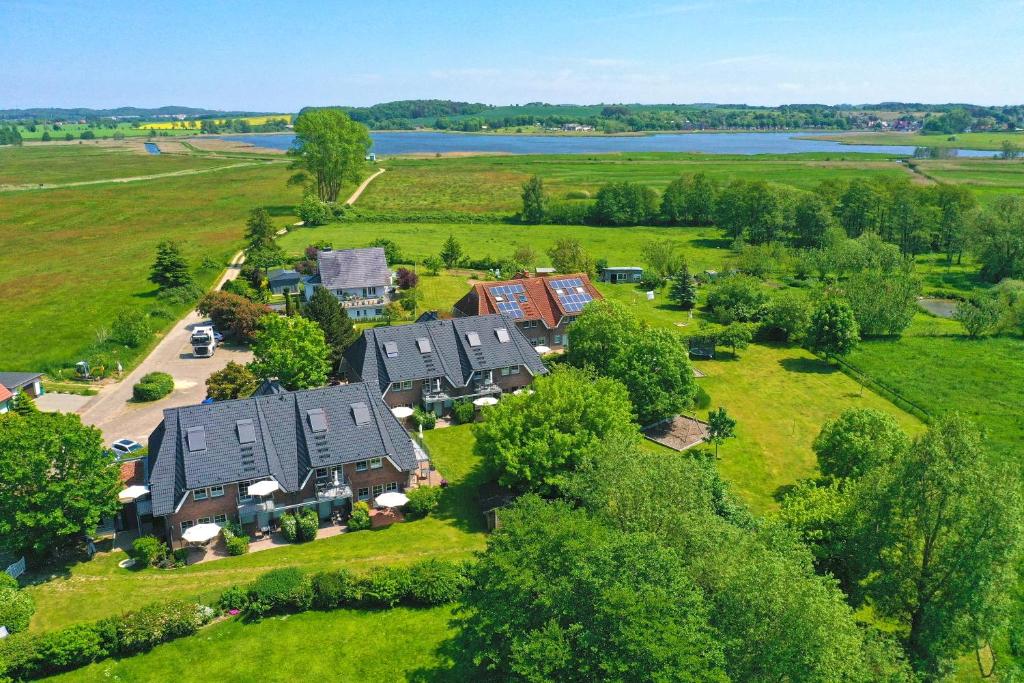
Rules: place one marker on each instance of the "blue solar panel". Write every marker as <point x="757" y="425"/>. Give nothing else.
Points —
<point x="569" y="296"/>
<point x="566" y="284"/>
<point x="507" y="290"/>
<point x="510" y="308"/>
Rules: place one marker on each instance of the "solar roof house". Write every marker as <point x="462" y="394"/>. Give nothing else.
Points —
<point x="323" y="448"/>
<point x="542" y="307"/>
<point x="435" y="363"/>
<point x="359" y="278"/>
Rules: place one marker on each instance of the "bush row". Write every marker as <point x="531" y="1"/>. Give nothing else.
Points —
<point x="369" y="216"/>
<point x="29" y="655"/>
<point x="153" y="386"/>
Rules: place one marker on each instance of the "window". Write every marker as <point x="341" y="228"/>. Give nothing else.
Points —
<point x="364" y="494"/>
<point x="220" y="519"/>
<point x="216" y="491"/>
<point x="205" y="520"/>
<point x="188" y="523"/>
<point x="391" y="486"/>
<point x="361" y="466"/>
<point x="243" y="491"/>
<point x="539" y="341"/>
<point x="376" y="463"/>
<point x="378" y="312"/>
<point x="378" y="489"/>
<point x="321" y="474"/>
<point x="558" y="339"/>
<point x="200" y="494"/>
<point x="402" y="386"/>
<point x="504" y="372"/>
<point x="513" y="370"/>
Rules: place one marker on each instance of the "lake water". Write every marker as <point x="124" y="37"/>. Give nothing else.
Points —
<point x="152" y="148"/>
<point x="386" y="143"/>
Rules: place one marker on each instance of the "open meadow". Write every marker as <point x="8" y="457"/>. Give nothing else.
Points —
<point x="987" y="140"/>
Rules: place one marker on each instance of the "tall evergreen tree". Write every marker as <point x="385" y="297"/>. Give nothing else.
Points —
<point x="325" y="310"/>
<point x="259" y="231"/>
<point x="451" y="252"/>
<point x="684" y="289"/>
<point x="170" y="270"/>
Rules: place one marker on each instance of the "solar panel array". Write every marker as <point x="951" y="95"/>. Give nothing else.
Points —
<point x="571" y="294"/>
<point x="510" y="298"/>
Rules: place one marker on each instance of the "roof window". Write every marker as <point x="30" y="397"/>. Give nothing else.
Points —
<point x="424" y="344"/>
<point x="246" y="431"/>
<point x="317" y="420"/>
<point x="502" y="334"/>
<point x="196" y="439"/>
<point x="391" y="349"/>
<point x="361" y="413"/>
<point x="473" y="338"/>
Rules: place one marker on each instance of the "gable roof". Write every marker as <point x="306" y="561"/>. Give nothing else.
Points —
<point x="353" y="268"/>
<point x="283" y="275"/>
<point x="270" y="436"/>
<point x="16" y="380"/>
<point x="453" y="350"/>
<point x="536" y="297"/>
<point x="4" y="393"/>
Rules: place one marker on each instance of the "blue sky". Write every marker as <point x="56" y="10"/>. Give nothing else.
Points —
<point x="283" y="55"/>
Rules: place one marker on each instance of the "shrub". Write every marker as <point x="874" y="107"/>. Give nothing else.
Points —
<point x="334" y="589"/>
<point x="176" y="296"/>
<point x="392" y="252"/>
<point x="290" y="528"/>
<point x="435" y="582"/>
<point x="577" y="194"/>
<point x="464" y="412"/>
<point x="148" y="550"/>
<point x="313" y="212"/>
<point x="70" y="648"/>
<point x="737" y="298"/>
<point x="425" y="419"/>
<point x="385" y="586"/>
<point x="280" y="590"/>
<point x="153" y="386"/>
<point x="237" y="545"/>
<point x="407" y="279"/>
<point x="360" y="517"/>
<point x="143" y="629"/>
<point x="568" y="213"/>
<point x="8" y="581"/>
<point x="422" y="500"/>
<point x="16" y="609"/>
<point x="130" y="327"/>
<point x="434" y="264"/>
<point x="235" y="597"/>
<point x="308" y="523"/>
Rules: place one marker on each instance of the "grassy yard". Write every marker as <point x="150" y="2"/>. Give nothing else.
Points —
<point x="454" y="532"/>
<point x="780" y="397"/>
<point x="342" y="645"/>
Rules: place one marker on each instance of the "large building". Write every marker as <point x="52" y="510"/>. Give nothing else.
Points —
<point x="323" y="448"/>
<point x="542" y="307"/>
<point x="435" y="363"/>
<point x="359" y="278"/>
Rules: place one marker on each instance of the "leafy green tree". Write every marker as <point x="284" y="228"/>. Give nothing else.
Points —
<point x="812" y="219"/>
<point x="16" y="607"/>
<point x="937" y="541"/>
<point x="684" y="289"/>
<point x="46" y="136"/>
<point x="625" y="203"/>
<point x="339" y="332"/>
<point x="525" y="255"/>
<point x="721" y="426"/>
<point x="737" y="298"/>
<point x="957" y="206"/>
<point x="329" y="151"/>
<point x="980" y="314"/>
<point x="234" y="316"/>
<point x="859" y="207"/>
<point x="568" y="256"/>
<point x="534" y="441"/>
<point x="857" y="441"/>
<point x="787" y="316"/>
<point x="689" y="200"/>
<point x="655" y="369"/>
<point x="575" y="615"/>
<point x="232" y="381"/>
<point x="833" y="330"/>
<point x="451" y="252"/>
<point x="392" y="252"/>
<point x="292" y="350"/>
<point x="312" y="211"/>
<point x="997" y="238"/>
<point x="737" y="336"/>
<point x="533" y="200"/>
<point x="601" y="333"/>
<point x="1010" y="150"/>
<point x="259" y="230"/>
<point x="883" y="303"/>
<point x="662" y="258"/>
<point x="58" y="481"/>
<point x="434" y="264"/>
<point x="170" y="270"/>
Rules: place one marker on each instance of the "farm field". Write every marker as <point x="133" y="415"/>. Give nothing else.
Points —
<point x="454" y="532"/>
<point x="72" y="162"/>
<point x="328" y="646"/>
<point x="488" y="184"/>
<point x="77" y="129"/>
<point x="988" y="140"/>
<point x="70" y="258"/>
<point x="987" y="179"/>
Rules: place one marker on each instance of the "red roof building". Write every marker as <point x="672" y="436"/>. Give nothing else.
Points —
<point x="5" y="399"/>
<point x="542" y="307"/>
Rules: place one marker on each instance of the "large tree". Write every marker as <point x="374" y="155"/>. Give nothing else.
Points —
<point x="534" y="441"/>
<point x="59" y="481"/>
<point x="291" y="350"/>
<point x="329" y="151"/>
<point x="327" y="312"/>
<point x="233" y="381"/>
<point x="259" y="230"/>
<point x="533" y="200"/>
<point x="883" y="303"/>
<point x="234" y="316"/>
<point x="558" y="596"/>
<point x="568" y="256"/>
<point x="170" y="270"/>
<point x="857" y="441"/>
<point x="833" y="330"/>
<point x="689" y="200"/>
<point x="998" y="238"/>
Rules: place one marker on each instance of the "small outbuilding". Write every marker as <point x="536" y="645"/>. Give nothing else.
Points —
<point x="619" y="274"/>
<point x="284" y="278"/>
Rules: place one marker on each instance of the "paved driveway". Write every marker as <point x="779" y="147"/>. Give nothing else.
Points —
<point x="114" y="413"/>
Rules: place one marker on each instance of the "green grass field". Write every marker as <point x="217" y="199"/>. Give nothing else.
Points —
<point x="454" y="532"/>
<point x="77" y="129"/>
<point x="990" y="141"/>
<point x="343" y="645"/>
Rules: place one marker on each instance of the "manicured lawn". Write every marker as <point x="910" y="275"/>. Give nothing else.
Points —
<point x="343" y="645"/>
<point x="99" y="587"/>
<point x="780" y="397"/>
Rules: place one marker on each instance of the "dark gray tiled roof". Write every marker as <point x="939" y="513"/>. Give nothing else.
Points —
<point x="353" y="268"/>
<point x="451" y="354"/>
<point x="15" y="380"/>
<point x="283" y="275"/>
<point x="285" y="446"/>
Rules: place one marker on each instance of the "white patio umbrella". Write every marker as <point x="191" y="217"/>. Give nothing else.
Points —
<point x="485" y="401"/>
<point x="263" y="488"/>
<point x="542" y="349"/>
<point x="132" y="493"/>
<point x="402" y="412"/>
<point x="200" y="533"/>
<point x="391" y="499"/>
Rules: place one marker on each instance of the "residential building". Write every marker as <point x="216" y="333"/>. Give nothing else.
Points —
<point x="13" y="383"/>
<point x="433" y="364"/>
<point x="281" y="279"/>
<point x="323" y="448"/>
<point x="359" y="278"/>
<point x="542" y="307"/>
<point x="620" y="274"/>
<point x="5" y="399"/>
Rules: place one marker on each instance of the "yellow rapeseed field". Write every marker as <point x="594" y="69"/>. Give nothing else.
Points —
<point x="193" y="125"/>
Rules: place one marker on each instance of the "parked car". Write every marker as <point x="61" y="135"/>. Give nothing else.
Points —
<point x="123" y="447"/>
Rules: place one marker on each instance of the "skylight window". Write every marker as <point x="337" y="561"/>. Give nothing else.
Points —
<point x="473" y="338"/>
<point x="391" y="349"/>
<point x="246" y="431"/>
<point x="423" y="344"/>
<point x="360" y="413"/>
<point x="317" y="420"/>
<point x="196" y="439"/>
<point x="502" y="334"/>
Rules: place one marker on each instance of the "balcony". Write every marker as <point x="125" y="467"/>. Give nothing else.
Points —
<point x="249" y="508"/>
<point x="331" y="492"/>
<point x="361" y="302"/>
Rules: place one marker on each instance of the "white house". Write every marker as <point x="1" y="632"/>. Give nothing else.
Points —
<point x="359" y="278"/>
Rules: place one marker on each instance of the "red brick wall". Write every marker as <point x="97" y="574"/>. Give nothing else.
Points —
<point x="192" y="509"/>
<point x="386" y="474"/>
